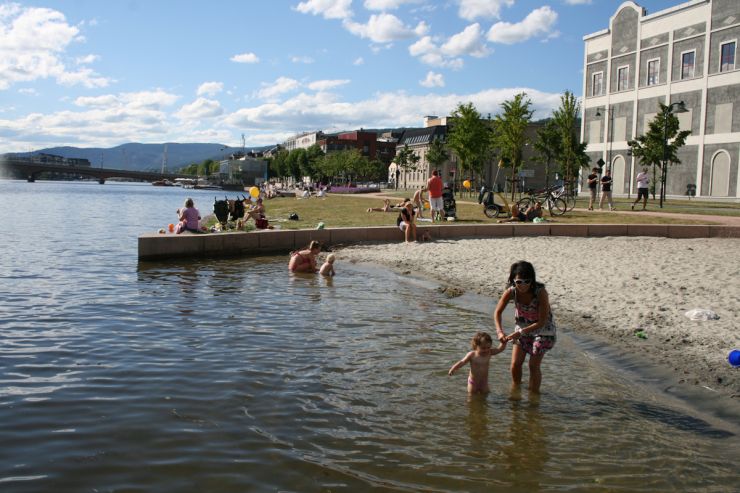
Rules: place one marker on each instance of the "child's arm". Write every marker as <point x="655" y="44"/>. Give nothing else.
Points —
<point x="500" y="348"/>
<point x="460" y="363"/>
<point x="505" y="297"/>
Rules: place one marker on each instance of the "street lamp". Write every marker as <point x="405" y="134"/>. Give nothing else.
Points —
<point x="610" y="111"/>
<point x="680" y="108"/>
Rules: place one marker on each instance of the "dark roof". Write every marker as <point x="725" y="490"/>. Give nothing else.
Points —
<point x="422" y="136"/>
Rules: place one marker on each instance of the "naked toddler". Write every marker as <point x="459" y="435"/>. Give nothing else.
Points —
<point x="479" y="358"/>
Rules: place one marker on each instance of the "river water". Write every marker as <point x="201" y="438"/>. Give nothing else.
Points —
<point x="234" y="376"/>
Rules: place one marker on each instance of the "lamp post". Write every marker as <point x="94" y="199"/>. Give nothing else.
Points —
<point x="610" y="112"/>
<point x="680" y="108"/>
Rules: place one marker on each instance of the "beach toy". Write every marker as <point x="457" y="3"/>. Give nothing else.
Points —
<point x="466" y="184"/>
<point x="320" y="226"/>
<point x="701" y="314"/>
<point x="734" y="357"/>
<point x="171" y="227"/>
<point x="254" y="192"/>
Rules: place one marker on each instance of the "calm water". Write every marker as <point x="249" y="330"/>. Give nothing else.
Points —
<point x="233" y="376"/>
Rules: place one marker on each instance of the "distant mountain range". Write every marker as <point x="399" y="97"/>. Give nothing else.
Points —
<point x="146" y="157"/>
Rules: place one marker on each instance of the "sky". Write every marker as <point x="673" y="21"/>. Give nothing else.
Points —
<point x="92" y="73"/>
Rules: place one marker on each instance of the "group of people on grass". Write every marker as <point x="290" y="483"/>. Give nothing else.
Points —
<point x="189" y="216"/>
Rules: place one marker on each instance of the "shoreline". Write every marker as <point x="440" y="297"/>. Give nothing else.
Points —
<point x="605" y="289"/>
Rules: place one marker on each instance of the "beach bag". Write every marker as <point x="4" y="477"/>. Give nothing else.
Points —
<point x="261" y="223"/>
<point x="293" y="216"/>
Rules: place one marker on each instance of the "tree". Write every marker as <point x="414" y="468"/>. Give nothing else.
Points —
<point x="437" y="153"/>
<point x="469" y="138"/>
<point x="659" y="146"/>
<point x="510" y="135"/>
<point x="548" y="146"/>
<point x="572" y="151"/>
<point x="406" y="160"/>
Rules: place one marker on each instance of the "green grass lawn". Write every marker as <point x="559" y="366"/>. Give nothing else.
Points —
<point x="339" y="210"/>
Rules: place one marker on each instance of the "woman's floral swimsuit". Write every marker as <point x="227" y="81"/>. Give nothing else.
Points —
<point x="542" y="339"/>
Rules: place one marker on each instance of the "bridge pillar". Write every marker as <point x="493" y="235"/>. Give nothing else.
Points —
<point x="31" y="178"/>
<point x="101" y="181"/>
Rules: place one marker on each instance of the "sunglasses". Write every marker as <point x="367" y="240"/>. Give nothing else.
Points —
<point x="521" y="281"/>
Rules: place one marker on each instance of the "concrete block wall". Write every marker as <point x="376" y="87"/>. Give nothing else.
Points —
<point x="153" y="246"/>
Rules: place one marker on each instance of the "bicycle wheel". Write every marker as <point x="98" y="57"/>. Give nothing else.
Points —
<point x="524" y="203"/>
<point x="556" y="206"/>
<point x="570" y="201"/>
<point x="491" y="211"/>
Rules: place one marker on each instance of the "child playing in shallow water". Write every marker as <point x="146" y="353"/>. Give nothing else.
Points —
<point x="479" y="358"/>
<point x="327" y="269"/>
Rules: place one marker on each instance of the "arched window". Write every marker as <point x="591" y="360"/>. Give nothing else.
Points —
<point x="618" y="175"/>
<point x="720" y="175"/>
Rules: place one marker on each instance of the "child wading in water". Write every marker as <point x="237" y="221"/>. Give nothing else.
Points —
<point x="535" y="331"/>
<point x="479" y="357"/>
<point x="328" y="268"/>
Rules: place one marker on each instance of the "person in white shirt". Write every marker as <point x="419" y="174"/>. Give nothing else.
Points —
<point x="643" y="181"/>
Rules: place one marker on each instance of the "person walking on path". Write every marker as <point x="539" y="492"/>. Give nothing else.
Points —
<point x="606" y="190"/>
<point x="593" y="180"/>
<point x="643" y="180"/>
<point x="434" y="185"/>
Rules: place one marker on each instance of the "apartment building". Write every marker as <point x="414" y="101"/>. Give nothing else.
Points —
<point x="685" y="53"/>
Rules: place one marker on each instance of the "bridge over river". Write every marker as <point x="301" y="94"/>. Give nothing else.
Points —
<point x="31" y="171"/>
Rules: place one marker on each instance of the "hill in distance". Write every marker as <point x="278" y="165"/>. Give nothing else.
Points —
<point x="147" y="157"/>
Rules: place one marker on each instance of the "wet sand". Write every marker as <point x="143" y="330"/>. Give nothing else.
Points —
<point x="606" y="288"/>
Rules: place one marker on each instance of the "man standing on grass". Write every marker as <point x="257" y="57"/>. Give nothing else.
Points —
<point x="436" y="204"/>
<point x="642" y="188"/>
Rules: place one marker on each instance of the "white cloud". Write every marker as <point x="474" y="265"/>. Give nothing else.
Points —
<point x="385" y="28"/>
<point x="279" y="86"/>
<point x="152" y="100"/>
<point x="325" y="111"/>
<point x="210" y="88"/>
<point x="386" y="4"/>
<point x="429" y="53"/>
<point x="245" y="58"/>
<point x="578" y="2"/>
<point x="29" y="91"/>
<point x="468" y="42"/>
<point x="359" y="61"/>
<point x="323" y="85"/>
<point x="302" y="59"/>
<point x="32" y="46"/>
<point x="87" y="59"/>
<point x="330" y="9"/>
<point x="200" y="108"/>
<point x="539" y="23"/>
<point x="487" y="9"/>
<point x="433" y="80"/>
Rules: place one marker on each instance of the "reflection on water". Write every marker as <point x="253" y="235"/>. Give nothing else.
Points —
<point x="234" y="375"/>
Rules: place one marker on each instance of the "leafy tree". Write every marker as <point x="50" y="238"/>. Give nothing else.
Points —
<point x="314" y="155"/>
<point x="293" y="169"/>
<point x="279" y="165"/>
<point x="510" y="131"/>
<point x="437" y="153"/>
<point x="662" y="141"/>
<point x="548" y="146"/>
<point x="406" y="160"/>
<point x="469" y="138"/>
<point x="572" y="151"/>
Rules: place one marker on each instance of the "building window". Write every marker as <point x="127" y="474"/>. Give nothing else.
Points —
<point x="653" y="70"/>
<point x="623" y="74"/>
<point x="597" y="86"/>
<point x="687" y="64"/>
<point x="727" y="57"/>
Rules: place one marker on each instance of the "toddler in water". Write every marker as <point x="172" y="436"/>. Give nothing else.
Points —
<point x="327" y="269"/>
<point x="479" y="358"/>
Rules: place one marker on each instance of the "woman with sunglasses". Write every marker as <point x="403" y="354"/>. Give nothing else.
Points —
<point x="535" y="331"/>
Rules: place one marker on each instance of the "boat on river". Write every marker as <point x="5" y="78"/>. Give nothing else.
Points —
<point x="163" y="183"/>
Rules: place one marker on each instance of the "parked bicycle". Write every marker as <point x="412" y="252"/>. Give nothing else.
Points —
<point x="547" y="197"/>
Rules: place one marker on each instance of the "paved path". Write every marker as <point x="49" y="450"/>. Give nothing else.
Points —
<point x="723" y="220"/>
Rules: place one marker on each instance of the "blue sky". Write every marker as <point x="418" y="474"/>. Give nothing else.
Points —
<point x="91" y="73"/>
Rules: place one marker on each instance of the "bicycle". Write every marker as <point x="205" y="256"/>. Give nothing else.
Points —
<point x="555" y="205"/>
<point x="490" y="207"/>
<point x="567" y="195"/>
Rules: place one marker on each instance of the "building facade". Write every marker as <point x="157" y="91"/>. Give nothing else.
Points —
<point x="687" y="53"/>
<point x="367" y="143"/>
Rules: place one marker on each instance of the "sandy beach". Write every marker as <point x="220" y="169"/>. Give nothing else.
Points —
<point x="606" y="288"/>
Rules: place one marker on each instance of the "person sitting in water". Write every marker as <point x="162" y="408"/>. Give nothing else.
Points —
<point x="189" y="217"/>
<point x="328" y="268"/>
<point x="305" y="260"/>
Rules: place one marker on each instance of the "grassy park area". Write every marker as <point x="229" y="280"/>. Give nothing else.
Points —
<point x="339" y="210"/>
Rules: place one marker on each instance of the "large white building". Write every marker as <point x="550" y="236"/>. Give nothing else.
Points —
<point x="685" y="53"/>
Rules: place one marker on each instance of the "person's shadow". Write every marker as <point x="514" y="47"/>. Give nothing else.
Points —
<point x="525" y="449"/>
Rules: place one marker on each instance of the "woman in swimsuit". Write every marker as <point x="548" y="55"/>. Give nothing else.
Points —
<point x="535" y="331"/>
<point x="305" y="260"/>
